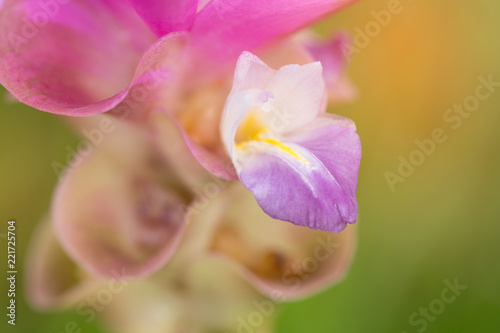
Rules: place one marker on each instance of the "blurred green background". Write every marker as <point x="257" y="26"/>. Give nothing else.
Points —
<point x="441" y="223"/>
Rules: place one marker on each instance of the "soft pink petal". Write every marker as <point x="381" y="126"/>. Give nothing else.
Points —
<point x="310" y="274"/>
<point x="166" y="16"/>
<point x="115" y="211"/>
<point x="283" y="261"/>
<point x="224" y="29"/>
<point x="85" y="60"/>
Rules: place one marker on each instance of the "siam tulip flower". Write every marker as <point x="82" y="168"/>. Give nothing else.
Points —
<point x="194" y="95"/>
<point x="77" y="78"/>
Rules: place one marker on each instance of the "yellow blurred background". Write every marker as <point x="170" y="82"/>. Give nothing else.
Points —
<point x="438" y="222"/>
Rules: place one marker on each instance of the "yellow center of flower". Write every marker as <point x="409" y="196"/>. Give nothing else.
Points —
<point x="252" y="129"/>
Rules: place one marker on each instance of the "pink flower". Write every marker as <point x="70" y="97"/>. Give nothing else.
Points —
<point x="155" y="190"/>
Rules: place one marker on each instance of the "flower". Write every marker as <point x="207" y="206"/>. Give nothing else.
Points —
<point x="153" y="201"/>
<point x="133" y="57"/>
<point x="300" y="162"/>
